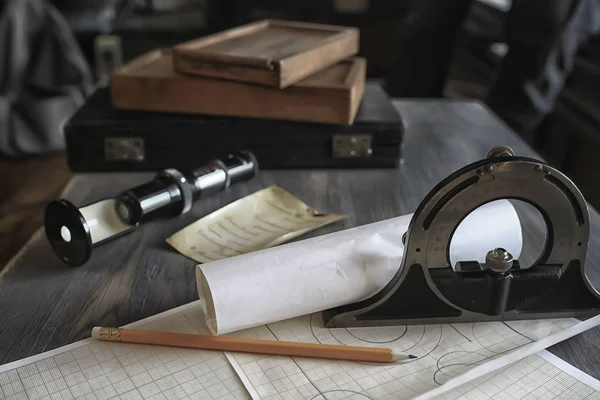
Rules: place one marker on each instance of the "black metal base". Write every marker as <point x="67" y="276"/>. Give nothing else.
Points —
<point x="540" y="292"/>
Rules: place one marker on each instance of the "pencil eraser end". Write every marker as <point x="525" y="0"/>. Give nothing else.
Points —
<point x="96" y="332"/>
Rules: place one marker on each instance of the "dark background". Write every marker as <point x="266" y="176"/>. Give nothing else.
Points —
<point x="569" y="138"/>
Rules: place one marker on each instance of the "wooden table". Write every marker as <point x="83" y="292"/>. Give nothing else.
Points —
<point x="45" y="304"/>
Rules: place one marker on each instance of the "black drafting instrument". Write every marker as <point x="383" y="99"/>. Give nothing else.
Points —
<point x="427" y="289"/>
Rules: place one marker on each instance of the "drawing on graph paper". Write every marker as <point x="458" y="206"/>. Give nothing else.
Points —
<point x="425" y="338"/>
<point x="532" y="377"/>
<point x="105" y="370"/>
<point x="337" y="394"/>
<point x="444" y="351"/>
<point x="505" y="338"/>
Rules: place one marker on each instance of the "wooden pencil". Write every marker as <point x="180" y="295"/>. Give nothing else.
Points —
<point x="258" y="346"/>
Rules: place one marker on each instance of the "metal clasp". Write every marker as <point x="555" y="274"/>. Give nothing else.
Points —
<point x="124" y="149"/>
<point x="351" y="146"/>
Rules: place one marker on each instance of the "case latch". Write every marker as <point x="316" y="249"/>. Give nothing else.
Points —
<point x="351" y="146"/>
<point x="124" y="149"/>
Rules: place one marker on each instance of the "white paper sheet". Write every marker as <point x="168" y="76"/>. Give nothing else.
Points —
<point x="332" y="270"/>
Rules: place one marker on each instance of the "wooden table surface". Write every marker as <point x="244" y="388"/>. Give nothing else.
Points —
<point x="44" y="304"/>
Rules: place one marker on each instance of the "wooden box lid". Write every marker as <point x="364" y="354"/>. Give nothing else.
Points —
<point x="150" y="83"/>
<point x="269" y="52"/>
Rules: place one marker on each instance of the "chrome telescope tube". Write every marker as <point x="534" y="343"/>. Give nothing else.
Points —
<point x="72" y="232"/>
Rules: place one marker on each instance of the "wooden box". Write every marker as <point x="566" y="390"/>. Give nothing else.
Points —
<point x="150" y="83"/>
<point x="270" y="52"/>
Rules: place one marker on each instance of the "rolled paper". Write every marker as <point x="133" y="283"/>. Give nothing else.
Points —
<point x="336" y="269"/>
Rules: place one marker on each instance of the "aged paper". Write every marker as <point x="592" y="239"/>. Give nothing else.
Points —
<point x="263" y="219"/>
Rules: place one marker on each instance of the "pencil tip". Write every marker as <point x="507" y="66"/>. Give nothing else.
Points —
<point x="402" y="356"/>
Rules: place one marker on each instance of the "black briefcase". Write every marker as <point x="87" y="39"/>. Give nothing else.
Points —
<point x="100" y="138"/>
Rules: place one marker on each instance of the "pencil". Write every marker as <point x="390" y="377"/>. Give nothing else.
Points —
<point x="258" y="346"/>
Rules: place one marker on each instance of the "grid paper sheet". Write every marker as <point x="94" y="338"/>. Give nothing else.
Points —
<point x="540" y="376"/>
<point x="93" y="369"/>
<point x="444" y="351"/>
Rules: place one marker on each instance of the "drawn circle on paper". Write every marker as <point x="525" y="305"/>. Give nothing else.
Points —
<point x="455" y="363"/>
<point x="498" y="337"/>
<point x="337" y="394"/>
<point x="404" y="339"/>
<point x="378" y="335"/>
<point x="359" y="336"/>
<point x="423" y="339"/>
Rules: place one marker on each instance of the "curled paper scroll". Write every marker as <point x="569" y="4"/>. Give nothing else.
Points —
<point x="333" y="270"/>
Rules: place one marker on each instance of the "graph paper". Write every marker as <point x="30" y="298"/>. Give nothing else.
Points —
<point x="93" y="369"/>
<point x="444" y="351"/>
<point x="540" y="376"/>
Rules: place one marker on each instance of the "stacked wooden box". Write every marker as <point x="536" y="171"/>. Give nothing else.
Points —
<point x="276" y="70"/>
